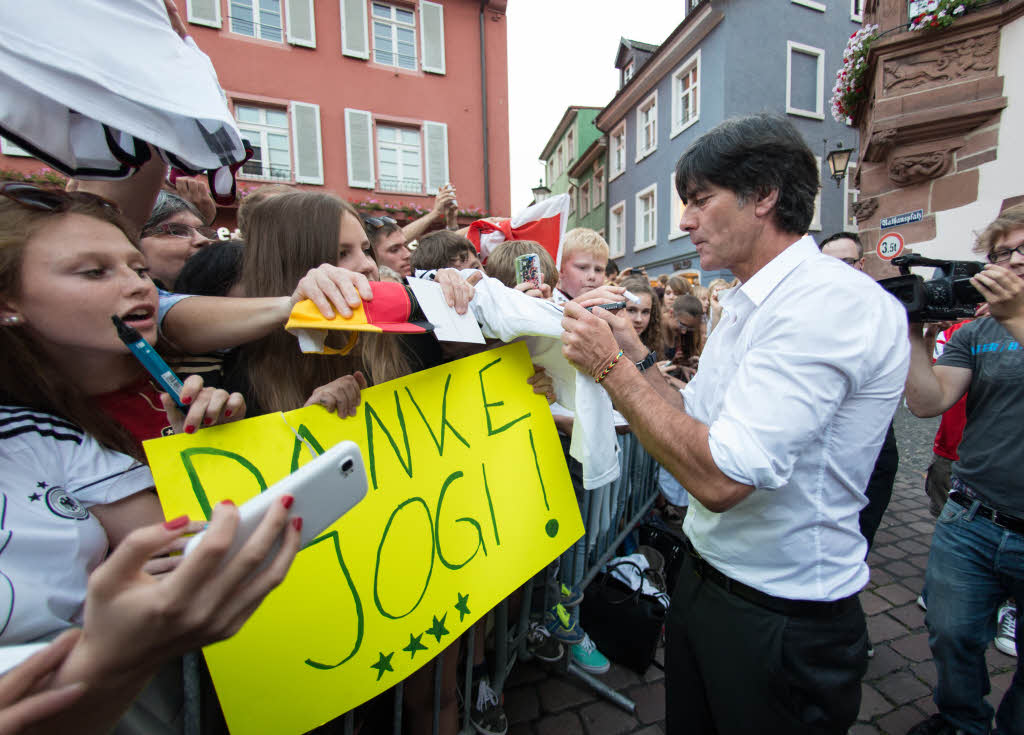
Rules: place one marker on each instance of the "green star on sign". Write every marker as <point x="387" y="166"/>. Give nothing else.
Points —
<point x="462" y="606"/>
<point x="384" y="664"/>
<point x="414" y="645"/>
<point x="437" y="629"/>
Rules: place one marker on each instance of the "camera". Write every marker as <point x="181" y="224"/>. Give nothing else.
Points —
<point x="948" y="296"/>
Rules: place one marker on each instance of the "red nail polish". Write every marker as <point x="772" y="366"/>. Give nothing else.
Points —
<point x="297" y="523"/>
<point x="287" y="500"/>
<point x="176" y="523"/>
<point x="227" y="501"/>
<point x="207" y="421"/>
<point x="186" y="400"/>
<point x="189" y="429"/>
<point x="227" y="412"/>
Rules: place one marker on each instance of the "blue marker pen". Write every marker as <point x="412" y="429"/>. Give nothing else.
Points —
<point x="150" y="360"/>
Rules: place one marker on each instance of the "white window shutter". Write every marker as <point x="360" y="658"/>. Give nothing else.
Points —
<point x="432" y="36"/>
<point x="435" y="146"/>
<point x="355" y="39"/>
<point x="359" y="148"/>
<point x="10" y="148"/>
<point x="301" y="29"/>
<point x="306" y="147"/>
<point x="203" y="12"/>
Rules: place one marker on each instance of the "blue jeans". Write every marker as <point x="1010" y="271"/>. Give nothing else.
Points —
<point x="974" y="565"/>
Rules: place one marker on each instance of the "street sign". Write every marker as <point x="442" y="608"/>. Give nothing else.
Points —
<point x="907" y="218"/>
<point x="890" y="246"/>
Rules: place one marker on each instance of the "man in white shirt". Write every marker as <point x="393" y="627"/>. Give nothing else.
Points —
<point x="774" y="438"/>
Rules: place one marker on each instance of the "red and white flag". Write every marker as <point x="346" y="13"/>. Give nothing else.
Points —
<point x="543" y="222"/>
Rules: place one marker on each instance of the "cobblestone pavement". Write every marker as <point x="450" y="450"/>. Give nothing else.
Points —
<point x="898" y="685"/>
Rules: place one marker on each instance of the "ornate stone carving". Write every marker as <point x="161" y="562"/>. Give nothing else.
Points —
<point x="879" y="145"/>
<point x="917" y="167"/>
<point x="959" y="61"/>
<point x="865" y="208"/>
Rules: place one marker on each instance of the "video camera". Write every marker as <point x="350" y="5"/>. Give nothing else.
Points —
<point x="948" y="296"/>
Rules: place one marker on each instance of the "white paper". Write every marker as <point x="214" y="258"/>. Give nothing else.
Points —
<point x="449" y="325"/>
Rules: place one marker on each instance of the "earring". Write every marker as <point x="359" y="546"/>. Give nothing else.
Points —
<point x="12" y="320"/>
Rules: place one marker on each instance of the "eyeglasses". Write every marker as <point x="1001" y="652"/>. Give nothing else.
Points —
<point x="50" y="200"/>
<point x="1001" y="256"/>
<point x="377" y="222"/>
<point x="850" y="261"/>
<point x="178" y="229"/>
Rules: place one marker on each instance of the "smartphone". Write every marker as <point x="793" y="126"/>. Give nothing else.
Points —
<point x="324" y="490"/>
<point x="527" y="268"/>
<point x="614" y="306"/>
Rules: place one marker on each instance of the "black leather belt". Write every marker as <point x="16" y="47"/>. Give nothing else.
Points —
<point x="1003" y="520"/>
<point x="780" y="605"/>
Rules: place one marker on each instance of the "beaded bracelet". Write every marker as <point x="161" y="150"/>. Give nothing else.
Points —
<point x="613" y="363"/>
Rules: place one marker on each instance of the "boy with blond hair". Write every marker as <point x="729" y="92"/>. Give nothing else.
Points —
<point x="584" y="258"/>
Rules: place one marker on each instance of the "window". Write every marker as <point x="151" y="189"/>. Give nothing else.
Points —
<point x="647" y="126"/>
<point x="267" y="130"/>
<point x="399" y="159"/>
<point x="9" y="148"/>
<point x="598" y="190"/>
<point x="820" y="7"/>
<point x="617" y="230"/>
<point x="256" y="19"/>
<point x="627" y="73"/>
<point x="558" y="162"/>
<point x="805" y="80"/>
<point x="572" y="200"/>
<point x="675" y="212"/>
<point x="646" y="218"/>
<point x="584" y="198"/>
<point x="850" y="196"/>
<point x="816" y="219"/>
<point x="551" y="170"/>
<point x="686" y="95"/>
<point x="203" y="12"/>
<point x="618" y="157"/>
<point x="857" y="11"/>
<point x="394" y="36"/>
<point x="570" y="148"/>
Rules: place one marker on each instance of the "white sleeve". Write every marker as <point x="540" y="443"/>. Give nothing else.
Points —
<point x="97" y="475"/>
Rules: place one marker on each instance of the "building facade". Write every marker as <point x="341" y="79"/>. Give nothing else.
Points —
<point x="588" y="177"/>
<point x="574" y="135"/>
<point x="939" y="127"/>
<point x="379" y="102"/>
<point x="726" y="58"/>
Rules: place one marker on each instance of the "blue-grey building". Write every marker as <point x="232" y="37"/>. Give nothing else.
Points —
<point x="726" y="58"/>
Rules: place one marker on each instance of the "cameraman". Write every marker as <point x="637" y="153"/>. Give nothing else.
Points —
<point x="977" y="551"/>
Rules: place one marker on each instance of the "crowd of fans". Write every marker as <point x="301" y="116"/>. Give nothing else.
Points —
<point x="91" y="557"/>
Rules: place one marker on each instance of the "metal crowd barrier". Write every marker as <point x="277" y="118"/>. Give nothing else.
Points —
<point x="609" y="512"/>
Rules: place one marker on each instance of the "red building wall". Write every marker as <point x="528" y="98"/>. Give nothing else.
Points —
<point x="271" y="73"/>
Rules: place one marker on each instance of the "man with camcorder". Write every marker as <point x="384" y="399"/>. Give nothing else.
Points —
<point x="977" y="552"/>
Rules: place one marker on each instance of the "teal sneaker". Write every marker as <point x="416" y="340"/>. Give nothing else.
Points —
<point x="587" y="657"/>
<point x="563" y="624"/>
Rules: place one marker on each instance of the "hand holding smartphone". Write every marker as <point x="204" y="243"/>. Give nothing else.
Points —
<point x="324" y="490"/>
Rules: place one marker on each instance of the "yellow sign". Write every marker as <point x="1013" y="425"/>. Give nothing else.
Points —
<point x="469" y="497"/>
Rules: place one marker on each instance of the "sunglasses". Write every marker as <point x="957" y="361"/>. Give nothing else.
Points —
<point x="51" y="200"/>
<point x="850" y="261"/>
<point x="377" y="222"/>
<point x="178" y="229"/>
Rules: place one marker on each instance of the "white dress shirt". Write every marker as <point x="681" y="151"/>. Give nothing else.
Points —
<point x="798" y="384"/>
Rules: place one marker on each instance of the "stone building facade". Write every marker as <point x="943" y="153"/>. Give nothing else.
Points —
<point x="939" y="130"/>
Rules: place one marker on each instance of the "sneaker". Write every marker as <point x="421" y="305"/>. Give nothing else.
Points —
<point x="587" y="657"/>
<point x="486" y="714"/>
<point x="1006" y="629"/>
<point x="921" y="603"/>
<point x="934" y="725"/>
<point x="542" y="645"/>
<point x="571" y="596"/>
<point x="562" y="624"/>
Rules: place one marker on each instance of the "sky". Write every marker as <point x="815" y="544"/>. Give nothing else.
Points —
<point x="561" y="53"/>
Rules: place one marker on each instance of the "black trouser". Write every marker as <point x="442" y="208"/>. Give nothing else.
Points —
<point x="879" y="489"/>
<point x="733" y="667"/>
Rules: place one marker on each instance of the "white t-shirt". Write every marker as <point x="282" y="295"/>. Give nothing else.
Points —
<point x="798" y="384"/>
<point x="50" y="474"/>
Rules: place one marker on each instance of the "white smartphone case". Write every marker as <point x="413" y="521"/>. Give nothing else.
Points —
<point x="324" y="490"/>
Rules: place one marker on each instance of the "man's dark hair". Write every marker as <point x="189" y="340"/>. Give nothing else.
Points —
<point x="752" y="156"/>
<point x="212" y="271"/>
<point x="844" y="236"/>
<point x="612" y="269"/>
<point x="440" y="249"/>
